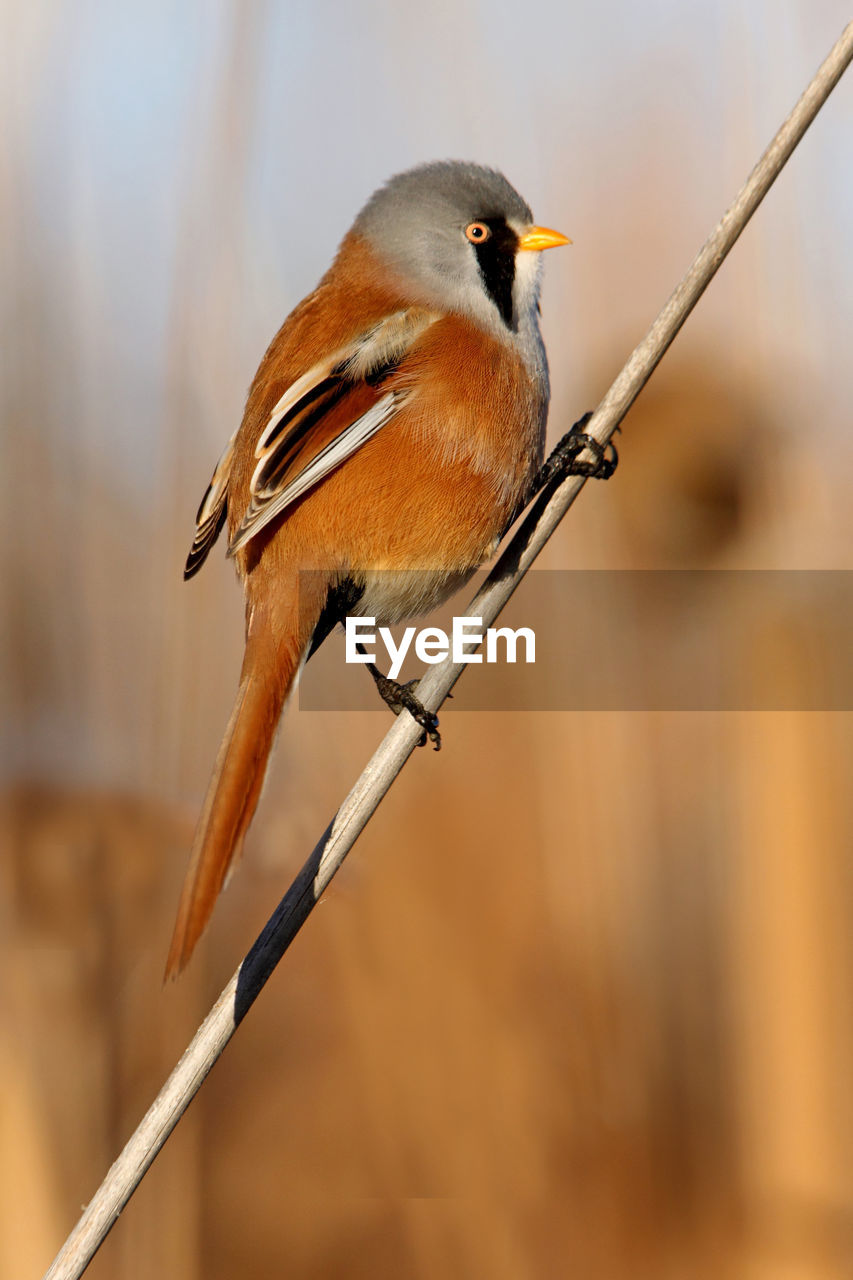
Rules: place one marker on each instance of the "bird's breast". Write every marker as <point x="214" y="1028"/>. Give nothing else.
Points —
<point x="477" y="406"/>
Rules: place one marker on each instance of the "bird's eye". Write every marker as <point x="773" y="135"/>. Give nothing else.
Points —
<point x="477" y="232"/>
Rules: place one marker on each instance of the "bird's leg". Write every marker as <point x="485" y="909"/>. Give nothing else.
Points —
<point x="401" y="697"/>
<point x="565" y="461"/>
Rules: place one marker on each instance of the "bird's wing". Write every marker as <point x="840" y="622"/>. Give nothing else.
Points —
<point x="326" y="415"/>
<point x="270" y="496"/>
<point x="319" y="421"/>
<point x="212" y="512"/>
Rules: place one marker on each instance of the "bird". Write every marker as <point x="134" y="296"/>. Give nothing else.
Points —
<point x="393" y="431"/>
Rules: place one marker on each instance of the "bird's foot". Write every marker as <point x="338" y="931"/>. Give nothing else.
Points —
<point x="565" y="459"/>
<point x="401" y="697"/>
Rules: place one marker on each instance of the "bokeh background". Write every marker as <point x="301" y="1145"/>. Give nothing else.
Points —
<point x="579" y="1004"/>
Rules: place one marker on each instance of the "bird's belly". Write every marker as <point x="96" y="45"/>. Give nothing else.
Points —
<point x="391" y="595"/>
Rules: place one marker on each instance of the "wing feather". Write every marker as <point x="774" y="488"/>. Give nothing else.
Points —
<point x="267" y="503"/>
<point x="212" y="511"/>
<point x="294" y="451"/>
<point x="309" y="433"/>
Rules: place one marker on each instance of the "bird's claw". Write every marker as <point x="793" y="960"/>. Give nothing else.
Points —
<point x="565" y="460"/>
<point x="401" y="697"/>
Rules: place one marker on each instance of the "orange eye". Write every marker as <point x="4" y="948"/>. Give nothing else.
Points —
<point x="477" y="232"/>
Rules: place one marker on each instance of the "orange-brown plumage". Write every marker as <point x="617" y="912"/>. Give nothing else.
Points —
<point x="455" y="399"/>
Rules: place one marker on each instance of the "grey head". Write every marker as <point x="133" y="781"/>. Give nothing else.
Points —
<point x="452" y="231"/>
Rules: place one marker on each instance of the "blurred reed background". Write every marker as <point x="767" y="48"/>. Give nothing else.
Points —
<point x="580" y="1002"/>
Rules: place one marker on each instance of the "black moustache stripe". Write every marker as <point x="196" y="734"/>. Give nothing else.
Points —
<point x="496" y="259"/>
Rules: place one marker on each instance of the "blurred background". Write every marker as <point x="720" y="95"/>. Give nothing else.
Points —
<point x="580" y="1001"/>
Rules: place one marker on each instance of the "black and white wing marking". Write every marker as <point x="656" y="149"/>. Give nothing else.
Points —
<point x="325" y="416"/>
<point x="211" y="514"/>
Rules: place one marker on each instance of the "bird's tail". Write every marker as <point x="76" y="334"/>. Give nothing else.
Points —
<point x="269" y="671"/>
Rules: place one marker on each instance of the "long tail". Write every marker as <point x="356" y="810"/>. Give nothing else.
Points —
<point x="268" y="673"/>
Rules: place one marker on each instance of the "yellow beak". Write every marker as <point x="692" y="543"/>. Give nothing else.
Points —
<point x="541" y="238"/>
